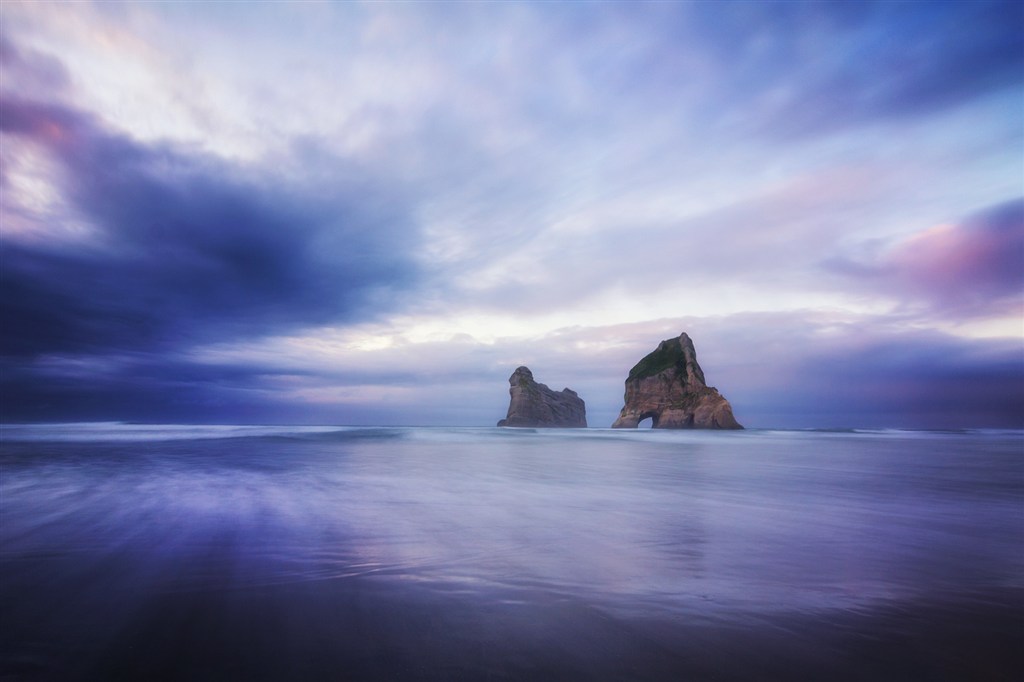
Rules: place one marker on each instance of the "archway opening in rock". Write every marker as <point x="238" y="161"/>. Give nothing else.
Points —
<point x="648" y="416"/>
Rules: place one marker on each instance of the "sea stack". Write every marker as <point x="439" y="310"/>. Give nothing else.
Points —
<point x="668" y="387"/>
<point x="534" y="404"/>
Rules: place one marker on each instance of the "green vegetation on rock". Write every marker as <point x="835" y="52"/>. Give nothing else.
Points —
<point x="666" y="355"/>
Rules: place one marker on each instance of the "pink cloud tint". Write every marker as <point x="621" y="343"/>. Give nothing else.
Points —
<point x="973" y="267"/>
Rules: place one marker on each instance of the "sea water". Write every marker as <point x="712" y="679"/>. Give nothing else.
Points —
<point x="142" y="552"/>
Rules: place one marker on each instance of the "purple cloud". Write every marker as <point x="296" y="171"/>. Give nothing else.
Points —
<point x="972" y="268"/>
<point x="28" y="71"/>
<point x="185" y="247"/>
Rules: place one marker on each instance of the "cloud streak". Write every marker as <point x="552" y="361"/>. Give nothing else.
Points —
<point x="857" y="66"/>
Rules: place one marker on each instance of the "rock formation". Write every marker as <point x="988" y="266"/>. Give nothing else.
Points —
<point x="668" y="386"/>
<point x="534" y="404"/>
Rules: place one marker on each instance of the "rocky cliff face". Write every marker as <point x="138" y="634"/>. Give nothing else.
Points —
<point x="535" y="404"/>
<point x="668" y="386"/>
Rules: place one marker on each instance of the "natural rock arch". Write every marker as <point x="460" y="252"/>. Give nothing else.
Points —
<point x="653" y="416"/>
<point x="668" y="387"/>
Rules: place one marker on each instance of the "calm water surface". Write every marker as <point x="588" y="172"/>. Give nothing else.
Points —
<point x="219" y="553"/>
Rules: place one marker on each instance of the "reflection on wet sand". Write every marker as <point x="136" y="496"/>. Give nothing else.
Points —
<point x="484" y="554"/>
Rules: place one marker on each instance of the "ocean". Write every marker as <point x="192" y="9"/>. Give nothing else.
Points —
<point x="137" y="552"/>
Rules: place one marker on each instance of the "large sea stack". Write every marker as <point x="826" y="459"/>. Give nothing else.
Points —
<point x="668" y="387"/>
<point x="534" y="404"/>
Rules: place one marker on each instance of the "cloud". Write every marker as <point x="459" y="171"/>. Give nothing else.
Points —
<point x="29" y="71"/>
<point x="973" y="268"/>
<point x="411" y="201"/>
<point x="813" y="68"/>
<point x="183" y="247"/>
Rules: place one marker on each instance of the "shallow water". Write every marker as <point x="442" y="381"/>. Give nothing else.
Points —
<point x="178" y="552"/>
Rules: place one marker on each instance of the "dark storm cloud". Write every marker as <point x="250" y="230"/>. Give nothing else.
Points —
<point x="186" y="248"/>
<point x="139" y="388"/>
<point x="162" y="389"/>
<point x="177" y="249"/>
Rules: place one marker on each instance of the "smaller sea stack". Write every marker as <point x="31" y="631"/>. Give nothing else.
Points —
<point x="668" y="387"/>
<point x="536" y="405"/>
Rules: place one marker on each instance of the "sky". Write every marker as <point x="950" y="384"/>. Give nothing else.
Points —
<point x="372" y="213"/>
